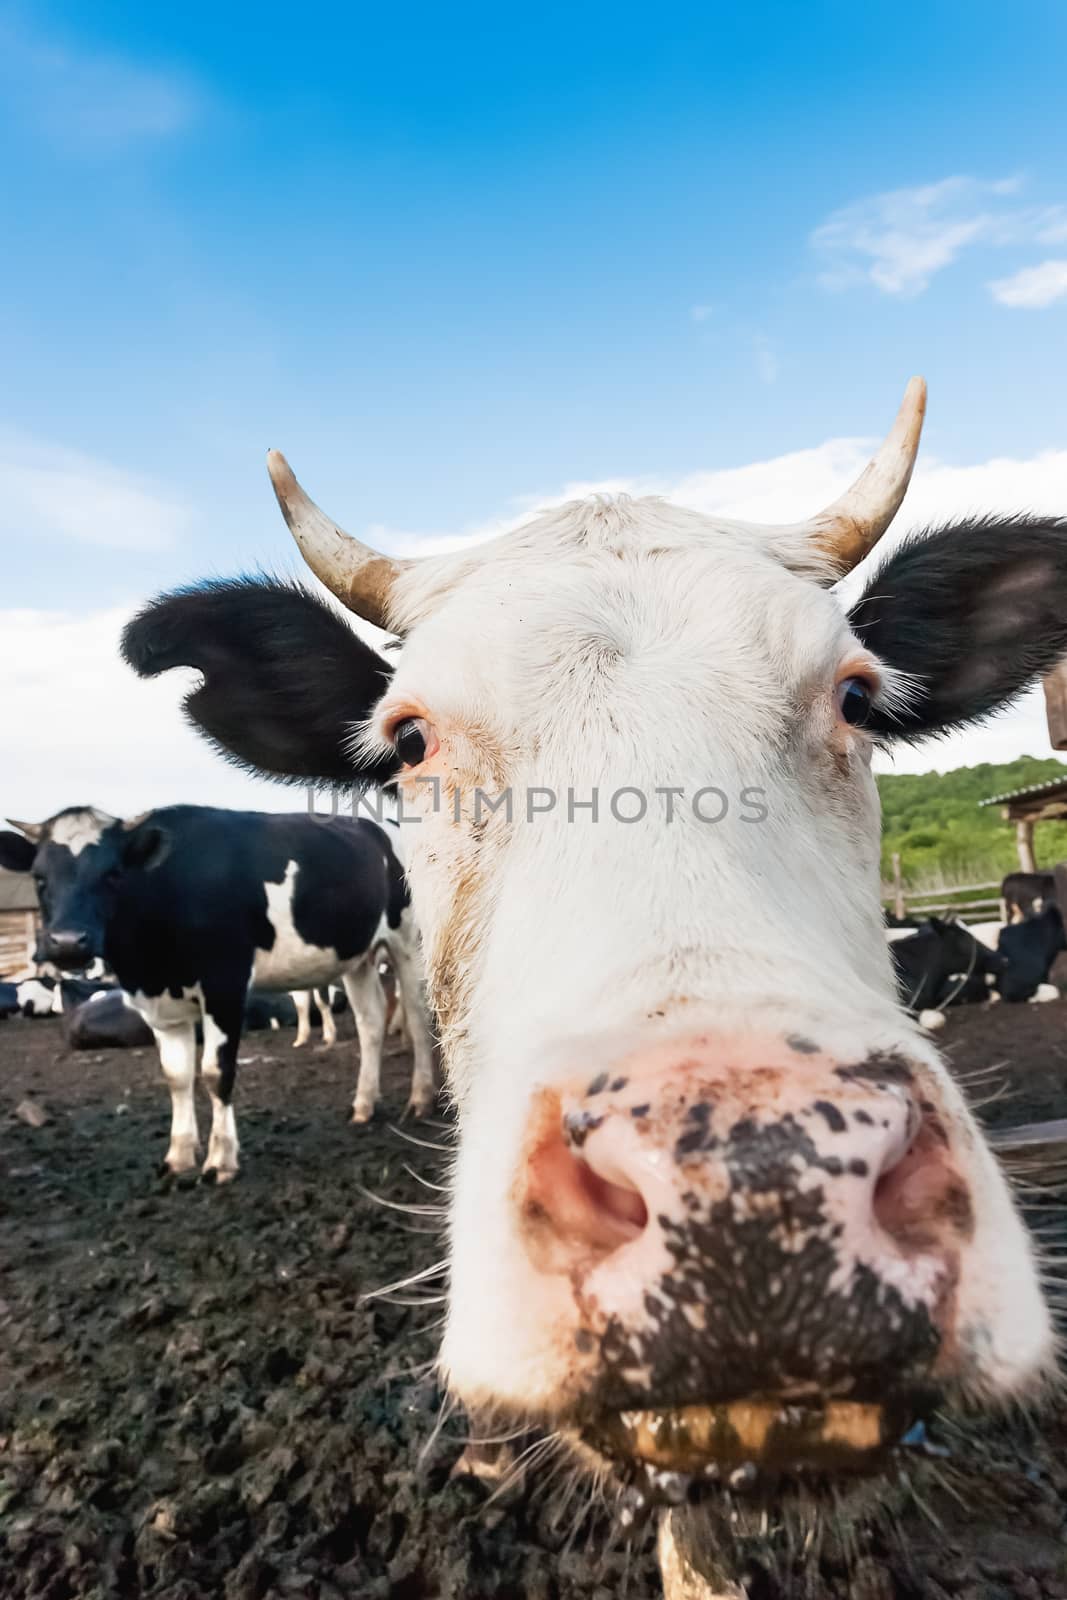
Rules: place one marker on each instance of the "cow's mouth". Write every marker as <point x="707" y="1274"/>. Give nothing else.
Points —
<point x="680" y="1453"/>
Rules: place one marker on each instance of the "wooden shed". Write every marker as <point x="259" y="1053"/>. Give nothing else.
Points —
<point x="18" y="922"/>
<point x="1041" y="802"/>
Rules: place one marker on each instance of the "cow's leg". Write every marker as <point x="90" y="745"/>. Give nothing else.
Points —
<point x="397" y="1020"/>
<point x="411" y="996"/>
<point x="364" y="991"/>
<point x="329" y="1026"/>
<point x="176" y="1042"/>
<point x="302" y="1001"/>
<point x="223" y="1014"/>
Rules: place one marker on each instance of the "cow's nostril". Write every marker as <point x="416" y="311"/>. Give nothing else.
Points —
<point x="576" y="1208"/>
<point x="922" y="1190"/>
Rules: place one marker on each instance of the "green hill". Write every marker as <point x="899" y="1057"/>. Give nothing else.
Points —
<point x="933" y="819"/>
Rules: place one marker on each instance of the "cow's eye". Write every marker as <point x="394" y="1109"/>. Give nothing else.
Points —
<point x="414" y="741"/>
<point x="854" y="696"/>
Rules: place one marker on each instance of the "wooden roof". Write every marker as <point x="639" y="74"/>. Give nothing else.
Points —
<point x="1040" y="802"/>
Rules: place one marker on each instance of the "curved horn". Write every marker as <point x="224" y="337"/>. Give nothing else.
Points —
<point x="32" y="830"/>
<point x="360" y="577"/>
<point x="849" y="529"/>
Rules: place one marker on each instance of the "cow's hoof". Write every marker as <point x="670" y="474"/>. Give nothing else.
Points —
<point x="362" y="1113"/>
<point x="177" y="1166"/>
<point x="298" y="1044"/>
<point x="418" y="1108"/>
<point x="218" y="1175"/>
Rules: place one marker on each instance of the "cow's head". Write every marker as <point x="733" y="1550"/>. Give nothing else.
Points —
<point x="78" y="859"/>
<point x="716" y="1199"/>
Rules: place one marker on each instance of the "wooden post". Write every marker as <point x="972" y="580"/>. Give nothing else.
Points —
<point x="1024" y="843"/>
<point x="1055" y="686"/>
<point x="898" y="887"/>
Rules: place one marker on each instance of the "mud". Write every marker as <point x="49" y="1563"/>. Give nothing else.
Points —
<point x="196" y="1399"/>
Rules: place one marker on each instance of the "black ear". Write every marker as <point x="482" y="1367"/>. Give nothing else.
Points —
<point x="975" y="612"/>
<point x="284" y="675"/>
<point x="16" y="853"/>
<point x="146" y="847"/>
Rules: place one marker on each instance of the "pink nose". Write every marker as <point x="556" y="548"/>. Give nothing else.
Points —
<point x="790" y="1217"/>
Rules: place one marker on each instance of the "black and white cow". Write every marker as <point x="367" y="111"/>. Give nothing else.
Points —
<point x="941" y="964"/>
<point x="1028" y="950"/>
<point x="1024" y="892"/>
<point x="39" y="997"/>
<point x="190" y="905"/>
<point x="106" y="1020"/>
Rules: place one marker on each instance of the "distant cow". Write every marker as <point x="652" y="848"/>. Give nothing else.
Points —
<point x="1024" y="892"/>
<point x="1028" y="949"/>
<point x="189" y="905"/>
<point x="105" y="1021"/>
<point x="313" y="1006"/>
<point x="39" y="997"/>
<point x="941" y="964"/>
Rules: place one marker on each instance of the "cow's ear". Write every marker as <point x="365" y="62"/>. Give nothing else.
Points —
<point x="146" y="847"/>
<point x="973" y="613"/>
<point x="16" y="853"/>
<point x="284" y="677"/>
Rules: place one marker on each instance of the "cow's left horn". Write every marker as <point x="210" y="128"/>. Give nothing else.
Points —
<point x="32" y="830"/>
<point x="850" y="528"/>
<point x="360" y="577"/>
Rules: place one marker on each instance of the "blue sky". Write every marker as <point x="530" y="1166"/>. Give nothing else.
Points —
<point x="452" y="259"/>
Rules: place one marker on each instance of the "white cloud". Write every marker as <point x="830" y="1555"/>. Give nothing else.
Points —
<point x="1033" y="287"/>
<point x="86" y="729"/>
<point x="900" y="239"/>
<point x="50" y="490"/>
<point x="82" y="98"/>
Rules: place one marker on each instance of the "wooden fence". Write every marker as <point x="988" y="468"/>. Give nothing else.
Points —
<point x="903" y="902"/>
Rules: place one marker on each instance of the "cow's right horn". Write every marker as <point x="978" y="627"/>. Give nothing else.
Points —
<point x="360" y="577"/>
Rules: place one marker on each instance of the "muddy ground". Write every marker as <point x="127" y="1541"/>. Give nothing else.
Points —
<point x="195" y="1399"/>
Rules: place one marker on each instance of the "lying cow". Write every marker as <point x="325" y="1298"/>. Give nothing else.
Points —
<point x="717" y="1205"/>
<point x="40" y="997"/>
<point x="942" y="964"/>
<point x="190" y="905"/>
<point x="107" y="1020"/>
<point x="1028" y="949"/>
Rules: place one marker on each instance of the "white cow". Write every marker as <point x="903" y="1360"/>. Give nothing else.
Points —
<point x="716" y="1200"/>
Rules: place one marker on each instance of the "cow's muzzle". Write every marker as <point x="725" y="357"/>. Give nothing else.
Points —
<point x="763" y="1247"/>
<point x="68" y="948"/>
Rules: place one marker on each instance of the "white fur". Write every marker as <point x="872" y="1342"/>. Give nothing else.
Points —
<point x="37" y="996"/>
<point x="987" y="933"/>
<point x="79" y="829"/>
<point x="613" y="644"/>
